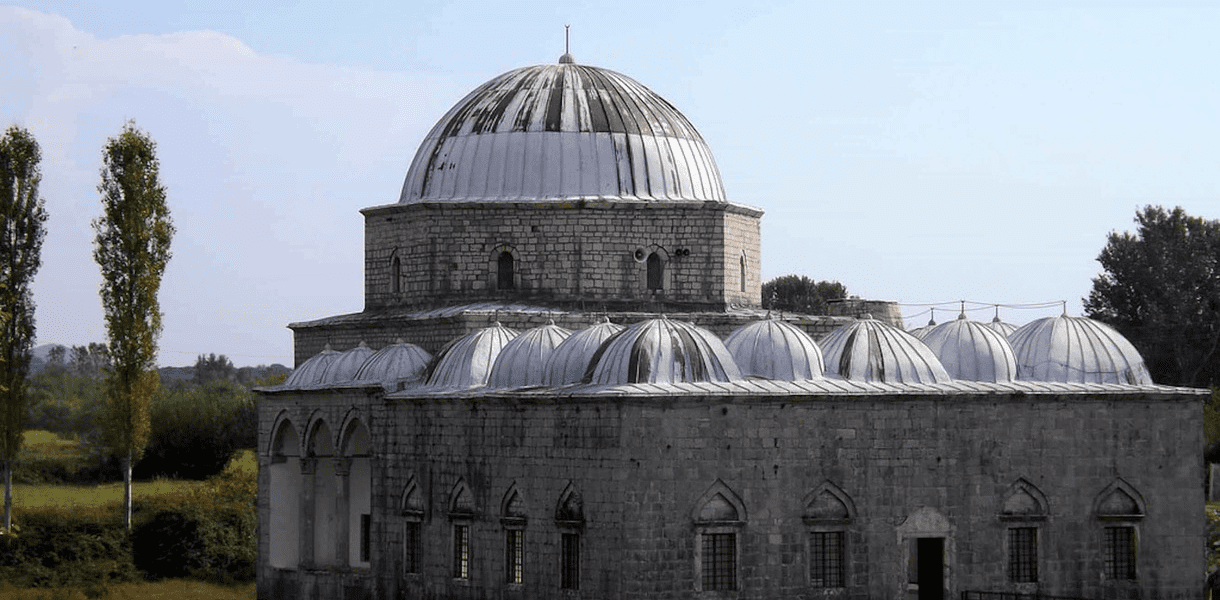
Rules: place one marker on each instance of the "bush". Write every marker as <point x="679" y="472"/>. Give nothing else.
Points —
<point x="208" y="533"/>
<point x="53" y="549"/>
<point x="196" y="431"/>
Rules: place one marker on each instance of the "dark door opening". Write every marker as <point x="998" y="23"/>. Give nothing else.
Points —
<point x="928" y="568"/>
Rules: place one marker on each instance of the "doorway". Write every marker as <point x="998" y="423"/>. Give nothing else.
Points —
<point x="926" y="569"/>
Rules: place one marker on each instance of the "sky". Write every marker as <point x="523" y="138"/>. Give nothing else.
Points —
<point x="925" y="153"/>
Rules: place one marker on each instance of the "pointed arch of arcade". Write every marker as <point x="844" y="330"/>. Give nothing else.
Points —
<point x="284" y="484"/>
<point x="355" y="480"/>
<point x="321" y="487"/>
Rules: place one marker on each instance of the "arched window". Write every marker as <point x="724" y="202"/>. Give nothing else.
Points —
<point x="719" y="517"/>
<point x="743" y="273"/>
<point x="656" y="272"/>
<point x="285" y="496"/>
<point x="505" y="271"/>
<point x="396" y="275"/>
<point x="829" y="514"/>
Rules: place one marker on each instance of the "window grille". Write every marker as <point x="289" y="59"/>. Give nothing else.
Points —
<point x="366" y="526"/>
<point x="826" y="559"/>
<point x="570" y="557"/>
<point x="514" y="550"/>
<point x="410" y="547"/>
<point x="461" y="551"/>
<point x="1120" y="552"/>
<point x="719" y="561"/>
<point x="1023" y="554"/>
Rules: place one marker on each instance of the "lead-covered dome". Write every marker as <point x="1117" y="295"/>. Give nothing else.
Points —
<point x="1076" y="350"/>
<point x="869" y="350"/>
<point x="523" y="359"/>
<point x="467" y="361"/>
<point x="972" y="351"/>
<point x="661" y="351"/>
<point x="562" y="131"/>
<point x="570" y="360"/>
<point x="776" y="350"/>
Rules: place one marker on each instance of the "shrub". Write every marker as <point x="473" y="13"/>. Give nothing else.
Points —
<point x="51" y="549"/>
<point x="207" y="533"/>
<point x="196" y="431"/>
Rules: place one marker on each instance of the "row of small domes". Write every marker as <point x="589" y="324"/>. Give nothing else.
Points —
<point x="1064" y="349"/>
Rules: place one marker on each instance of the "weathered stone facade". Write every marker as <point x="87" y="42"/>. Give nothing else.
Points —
<point x="578" y="254"/>
<point x="905" y="465"/>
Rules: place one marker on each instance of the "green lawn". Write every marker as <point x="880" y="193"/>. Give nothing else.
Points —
<point x="175" y="589"/>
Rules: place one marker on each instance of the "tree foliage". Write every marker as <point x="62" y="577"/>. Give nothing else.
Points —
<point x="798" y="293"/>
<point x="212" y="367"/>
<point x="132" y="249"/>
<point x="1161" y="289"/>
<point x="22" y="214"/>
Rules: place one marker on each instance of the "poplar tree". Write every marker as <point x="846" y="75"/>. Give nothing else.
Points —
<point x="22" y="215"/>
<point x="132" y="249"/>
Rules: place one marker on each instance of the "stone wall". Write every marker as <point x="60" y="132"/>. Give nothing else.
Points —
<point x="905" y="463"/>
<point x="566" y="253"/>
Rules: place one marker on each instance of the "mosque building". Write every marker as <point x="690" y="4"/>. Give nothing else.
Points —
<point x="562" y="386"/>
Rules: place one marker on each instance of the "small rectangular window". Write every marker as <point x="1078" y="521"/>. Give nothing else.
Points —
<point x="514" y="560"/>
<point x="719" y="561"/>
<point x="1120" y="552"/>
<point x="461" y="552"/>
<point x="366" y="525"/>
<point x="410" y="547"/>
<point x="570" y="567"/>
<point x="826" y="559"/>
<point x="1023" y="554"/>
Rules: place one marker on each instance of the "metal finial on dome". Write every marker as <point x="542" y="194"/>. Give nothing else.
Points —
<point x="567" y="58"/>
<point x="932" y="321"/>
<point x="997" y="314"/>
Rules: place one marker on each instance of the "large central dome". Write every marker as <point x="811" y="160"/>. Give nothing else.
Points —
<point x="562" y="132"/>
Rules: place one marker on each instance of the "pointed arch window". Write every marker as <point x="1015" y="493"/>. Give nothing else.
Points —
<point x="505" y="271"/>
<point x="513" y="518"/>
<point x="1119" y="508"/>
<point x="1023" y="508"/>
<point x="412" y="517"/>
<point x="656" y="271"/>
<point x="719" y="516"/>
<point x="743" y="273"/>
<point x="396" y="275"/>
<point x="461" y="514"/>
<point x="570" y="519"/>
<point x="829" y="513"/>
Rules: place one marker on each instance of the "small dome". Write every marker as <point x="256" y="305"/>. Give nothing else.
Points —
<point x="972" y="351"/>
<point x="346" y="364"/>
<point x="311" y="371"/>
<point x="776" y="350"/>
<point x="662" y="351"/>
<point x="523" y="360"/>
<point x="467" y="361"/>
<point x="562" y="131"/>
<point x="870" y="350"/>
<point x="1004" y="329"/>
<point x="396" y="363"/>
<point x="1076" y="350"/>
<point x="570" y="360"/>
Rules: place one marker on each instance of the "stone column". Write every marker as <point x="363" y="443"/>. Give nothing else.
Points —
<point x="309" y="467"/>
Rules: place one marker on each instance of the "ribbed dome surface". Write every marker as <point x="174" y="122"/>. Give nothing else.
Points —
<point x="346" y="364"/>
<point x="562" y="131"/>
<point x="972" y="351"/>
<point x="467" y="361"/>
<point x="311" y="371"/>
<point x="1004" y="329"/>
<point x="570" y="360"/>
<point x="522" y="361"/>
<point x="869" y="350"/>
<point x="662" y="351"/>
<point x="395" y="363"/>
<point x="776" y="350"/>
<point x="1076" y="350"/>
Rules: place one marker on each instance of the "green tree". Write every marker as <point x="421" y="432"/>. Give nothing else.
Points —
<point x="214" y="368"/>
<point x="22" y="214"/>
<point x="1161" y="289"/>
<point x="132" y="249"/>
<point x="798" y="293"/>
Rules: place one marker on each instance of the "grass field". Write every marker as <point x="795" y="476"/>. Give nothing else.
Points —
<point x="177" y="589"/>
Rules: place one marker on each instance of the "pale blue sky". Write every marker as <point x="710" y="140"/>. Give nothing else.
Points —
<point x="917" y="152"/>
